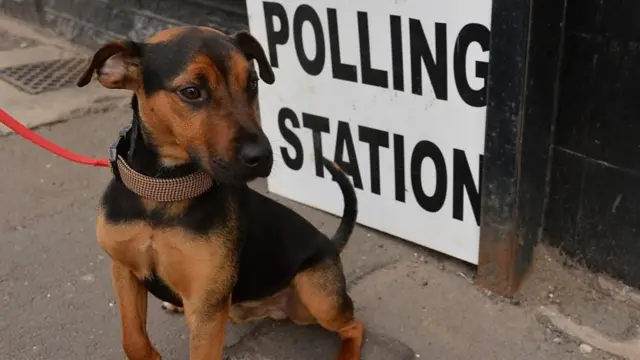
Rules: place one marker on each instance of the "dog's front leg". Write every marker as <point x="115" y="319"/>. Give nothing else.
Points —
<point x="132" y="298"/>
<point x="207" y="318"/>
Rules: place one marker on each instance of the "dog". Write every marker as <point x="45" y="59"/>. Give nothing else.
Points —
<point x="179" y="220"/>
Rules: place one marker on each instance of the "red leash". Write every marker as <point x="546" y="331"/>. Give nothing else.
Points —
<point x="28" y="134"/>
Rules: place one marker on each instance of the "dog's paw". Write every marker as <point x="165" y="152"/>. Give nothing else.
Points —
<point x="154" y="356"/>
<point x="168" y="307"/>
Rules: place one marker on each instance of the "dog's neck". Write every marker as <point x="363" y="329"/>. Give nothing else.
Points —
<point x="143" y="156"/>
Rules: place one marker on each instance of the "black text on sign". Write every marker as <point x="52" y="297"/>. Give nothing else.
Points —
<point x="377" y="140"/>
<point x="422" y="55"/>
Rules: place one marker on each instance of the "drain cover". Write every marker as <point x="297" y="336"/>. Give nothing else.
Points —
<point x="9" y="41"/>
<point x="39" y="77"/>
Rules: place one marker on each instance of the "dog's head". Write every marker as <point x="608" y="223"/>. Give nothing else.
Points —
<point x="196" y="92"/>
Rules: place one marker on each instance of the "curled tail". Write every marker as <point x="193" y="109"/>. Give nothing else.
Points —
<point x="350" y="212"/>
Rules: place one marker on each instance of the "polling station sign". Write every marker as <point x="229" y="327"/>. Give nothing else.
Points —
<point x="393" y="91"/>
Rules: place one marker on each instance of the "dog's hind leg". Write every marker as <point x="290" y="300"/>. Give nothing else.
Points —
<point x="132" y="299"/>
<point x="322" y="291"/>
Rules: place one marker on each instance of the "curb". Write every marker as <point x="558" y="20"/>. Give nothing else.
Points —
<point x="91" y="23"/>
<point x="629" y="349"/>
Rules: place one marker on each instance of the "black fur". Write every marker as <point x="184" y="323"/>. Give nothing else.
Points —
<point x="274" y="244"/>
<point x="160" y="290"/>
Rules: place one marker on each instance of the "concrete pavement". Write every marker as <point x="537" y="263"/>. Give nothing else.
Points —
<point x="58" y="303"/>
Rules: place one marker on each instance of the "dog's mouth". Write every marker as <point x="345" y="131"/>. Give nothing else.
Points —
<point x="226" y="173"/>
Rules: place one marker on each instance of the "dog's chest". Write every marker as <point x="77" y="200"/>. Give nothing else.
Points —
<point x="135" y="244"/>
<point x="168" y="261"/>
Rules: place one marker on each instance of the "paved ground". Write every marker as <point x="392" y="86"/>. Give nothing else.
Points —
<point x="58" y="303"/>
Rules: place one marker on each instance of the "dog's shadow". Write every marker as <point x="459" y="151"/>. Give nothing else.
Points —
<point x="285" y="341"/>
<point x="269" y="340"/>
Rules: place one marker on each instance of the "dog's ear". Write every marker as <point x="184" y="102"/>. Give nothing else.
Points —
<point x="116" y="65"/>
<point x="253" y="50"/>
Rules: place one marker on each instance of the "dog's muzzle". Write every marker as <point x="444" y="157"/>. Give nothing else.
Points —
<point x="256" y="158"/>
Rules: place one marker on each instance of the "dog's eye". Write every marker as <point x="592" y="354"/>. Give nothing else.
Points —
<point x="190" y="93"/>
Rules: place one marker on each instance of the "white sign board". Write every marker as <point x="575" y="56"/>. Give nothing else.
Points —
<point x="394" y="91"/>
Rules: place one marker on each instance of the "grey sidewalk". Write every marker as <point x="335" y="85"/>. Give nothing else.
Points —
<point x="58" y="302"/>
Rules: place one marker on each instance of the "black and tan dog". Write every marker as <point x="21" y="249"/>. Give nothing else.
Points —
<point x="178" y="219"/>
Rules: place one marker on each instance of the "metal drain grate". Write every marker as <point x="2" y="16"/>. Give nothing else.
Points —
<point x="39" y="77"/>
<point x="9" y="41"/>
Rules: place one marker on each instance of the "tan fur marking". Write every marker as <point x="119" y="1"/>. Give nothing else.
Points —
<point x="238" y="73"/>
<point x="200" y="65"/>
<point x="210" y="29"/>
<point x="164" y="121"/>
<point x="165" y="35"/>
<point x="128" y="245"/>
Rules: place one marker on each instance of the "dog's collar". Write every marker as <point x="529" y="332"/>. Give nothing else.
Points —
<point x="157" y="189"/>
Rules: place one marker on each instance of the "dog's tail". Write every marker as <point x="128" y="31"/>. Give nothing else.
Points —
<point x="350" y="212"/>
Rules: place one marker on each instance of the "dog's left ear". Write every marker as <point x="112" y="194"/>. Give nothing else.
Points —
<point x="253" y="50"/>
<point x="116" y="65"/>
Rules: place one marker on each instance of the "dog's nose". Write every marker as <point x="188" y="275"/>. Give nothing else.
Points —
<point x="252" y="154"/>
